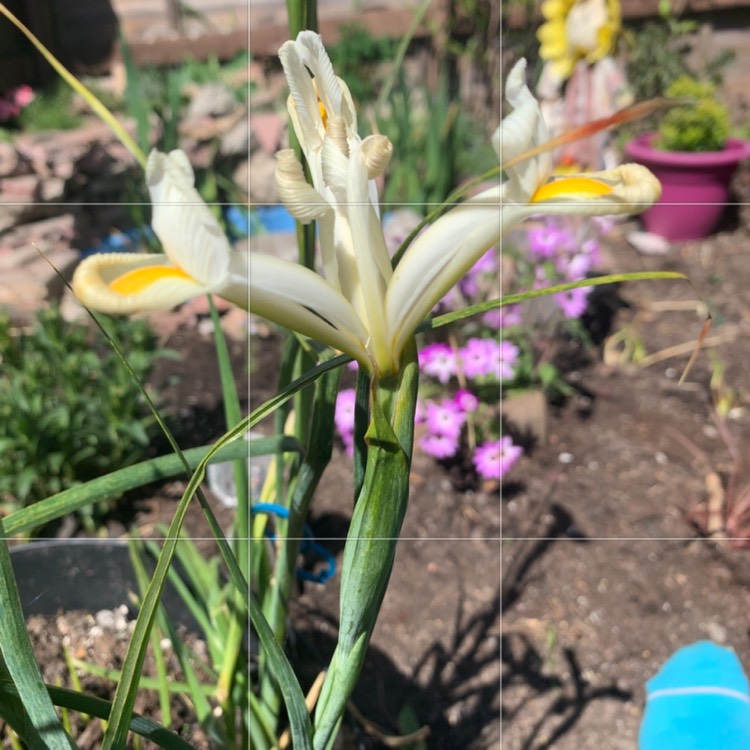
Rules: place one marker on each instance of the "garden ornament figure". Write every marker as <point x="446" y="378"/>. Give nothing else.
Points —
<point x="581" y="80"/>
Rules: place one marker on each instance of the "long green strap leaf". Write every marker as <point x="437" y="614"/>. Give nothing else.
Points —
<point x="138" y="475"/>
<point x="270" y="406"/>
<point x="232" y="415"/>
<point x="512" y="299"/>
<point x="299" y="719"/>
<point x="372" y="539"/>
<point x="88" y="704"/>
<point x="38" y="724"/>
<point x="116" y="733"/>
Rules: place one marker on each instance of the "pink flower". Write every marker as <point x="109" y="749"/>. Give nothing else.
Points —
<point x="8" y="110"/>
<point x="548" y="241"/>
<point x="465" y="401"/>
<point x="573" y="302"/>
<point x="438" y="361"/>
<point x="22" y="95"/>
<point x="453" y="300"/>
<point x="510" y="316"/>
<point x="469" y="287"/>
<point x="444" y="419"/>
<point x="344" y="413"/>
<point x="487" y="263"/>
<point x="578" y="264"/>
<point x="439" y="446"/>
<point x="478" y="357"/>
<point x="493" y="319"/>
<point x="494" y="459"/>
<point x="487" y="357"/>
<point x="605" y="224"/>
<point x="508" y="356"/>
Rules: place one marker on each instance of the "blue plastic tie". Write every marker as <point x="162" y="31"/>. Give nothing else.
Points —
<point x="309" y="546"/>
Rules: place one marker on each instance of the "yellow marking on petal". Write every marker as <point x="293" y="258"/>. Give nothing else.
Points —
<point x="321" y="106"/>
<point x="140" y="279"/>
<point x="578" y="187"/>
<point x="323" y="112"/>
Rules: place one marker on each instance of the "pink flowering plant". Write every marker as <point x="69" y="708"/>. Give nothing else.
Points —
<point x="458" y="412"/>
<point x="13" y="102"/>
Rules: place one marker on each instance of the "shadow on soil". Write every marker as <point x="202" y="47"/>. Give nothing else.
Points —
<point x="523" y="663"/>
<point x="447" y="689"/>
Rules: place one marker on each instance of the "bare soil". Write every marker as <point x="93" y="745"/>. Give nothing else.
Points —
<point x="606" y="568"/>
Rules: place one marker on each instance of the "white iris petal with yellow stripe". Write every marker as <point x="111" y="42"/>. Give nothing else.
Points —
<point x="197" y="259"/>
<point x="359" y="305"/>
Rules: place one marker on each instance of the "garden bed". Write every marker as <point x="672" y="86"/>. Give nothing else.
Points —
<point x="604" y="575"/>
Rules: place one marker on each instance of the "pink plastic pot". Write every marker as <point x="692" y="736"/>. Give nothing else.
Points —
<point x="695" y="186"/>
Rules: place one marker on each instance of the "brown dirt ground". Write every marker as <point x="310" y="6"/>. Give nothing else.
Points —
<point x="604" y="575"/>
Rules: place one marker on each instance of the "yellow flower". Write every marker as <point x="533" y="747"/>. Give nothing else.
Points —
<point x="577" y="30"/>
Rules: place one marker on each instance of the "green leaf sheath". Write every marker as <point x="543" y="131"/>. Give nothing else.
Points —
<point x="371" y="542"/>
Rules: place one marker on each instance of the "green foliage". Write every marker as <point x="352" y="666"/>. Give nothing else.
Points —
<point x="436" y="147"/>
<point x="702" y="126"/>
<point x="50" y="110"/>
<point x="69" y="410"/>
<point x="658" y="56"/>
<point x="356" y="56"/>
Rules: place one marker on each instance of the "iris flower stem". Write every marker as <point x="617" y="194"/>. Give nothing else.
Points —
<point x="372" y="538"/>
<point x="303" y="14"/>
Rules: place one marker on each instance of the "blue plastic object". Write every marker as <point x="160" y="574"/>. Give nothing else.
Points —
<point x="276" y="219"/>
<point x="699" y="700"/>
<point x="309" y="547"/>
<point x="127" y="241"/>
<point x="237" y="219"/>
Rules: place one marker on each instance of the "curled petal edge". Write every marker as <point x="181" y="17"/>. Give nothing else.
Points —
<point x="126" y="283"/>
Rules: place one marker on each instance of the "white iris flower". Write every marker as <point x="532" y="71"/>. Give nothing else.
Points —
<point x="359" y="305"/>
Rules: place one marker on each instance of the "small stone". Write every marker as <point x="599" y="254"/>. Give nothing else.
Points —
<point x="527" y="413"/>
<point x="211" y="100"/>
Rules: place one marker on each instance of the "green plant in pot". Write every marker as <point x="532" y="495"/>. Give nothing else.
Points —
<point x="694" y="158"/>
<point x="699" y="125"/>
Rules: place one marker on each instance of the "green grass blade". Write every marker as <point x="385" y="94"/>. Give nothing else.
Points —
<point x="301" y="382"/>
<point x="193" y="687"/>
<point x="299" y="719"/>
<point x="97" y="107"/>
<point x="115" y="735"/>
<point x="511" y="299"/>
<point x="88" y="704"/>
<point x="160" y="662"/>
<point x="233" y="414"/>
<point x="39" y="726"/>
<point x="385" y="91"/>
<point x="153" y="470"/>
